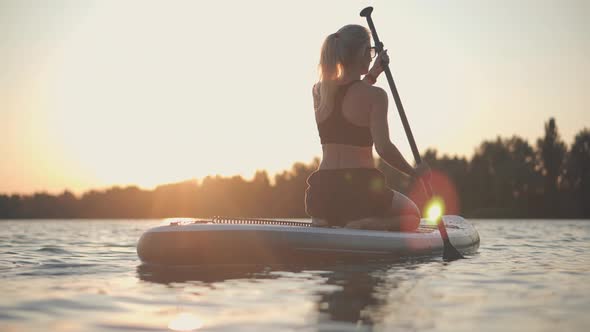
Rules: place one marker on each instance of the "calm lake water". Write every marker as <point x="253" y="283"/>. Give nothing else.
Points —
<point x="528" y="275"/>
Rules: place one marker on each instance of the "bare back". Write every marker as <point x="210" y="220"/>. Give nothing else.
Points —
<point x="356" y="109"/>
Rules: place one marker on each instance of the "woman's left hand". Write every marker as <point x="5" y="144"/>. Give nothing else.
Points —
<point x="380" y="62"/>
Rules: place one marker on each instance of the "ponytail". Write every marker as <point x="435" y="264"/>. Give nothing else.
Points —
<point x="339" y="50"/>
<point x="330" y="71"/>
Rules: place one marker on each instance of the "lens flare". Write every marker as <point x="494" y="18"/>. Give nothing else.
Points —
<point x="434" y="212"/>
<point x="434" y="209"/>
<point x="446" y="196"/>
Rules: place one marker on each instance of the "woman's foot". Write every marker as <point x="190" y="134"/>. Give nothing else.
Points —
<point x="316" y="222"/>
<point x="400" y="223"/>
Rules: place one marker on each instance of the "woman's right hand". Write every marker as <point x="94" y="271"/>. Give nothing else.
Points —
<point x="422" y="171"/>
<point x="381" y="61"/>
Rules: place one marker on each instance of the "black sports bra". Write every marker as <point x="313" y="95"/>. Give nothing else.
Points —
<point x="337" y="130"/>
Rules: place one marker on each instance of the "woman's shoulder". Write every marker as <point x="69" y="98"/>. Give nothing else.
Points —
<point x="370" y="92"/>
<point x="371" y="89"/>
<point x="359" y="87"/>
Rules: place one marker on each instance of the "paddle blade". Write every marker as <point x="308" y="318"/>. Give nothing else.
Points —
<point x="451" y="253"/>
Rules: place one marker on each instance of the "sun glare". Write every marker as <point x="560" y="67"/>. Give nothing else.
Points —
<point x="339" y="71"/>
<point x="434" y="209"/>
<point x="185" y="321"/>
<point x="179" y="220"/>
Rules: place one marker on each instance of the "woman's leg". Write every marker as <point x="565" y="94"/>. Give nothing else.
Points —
<point x="404" y="208"/>
<point x="318" y="222"/>
<point x="396" y="224"/>
<point x="401" y="205"/>
<point x="404" y="215"/>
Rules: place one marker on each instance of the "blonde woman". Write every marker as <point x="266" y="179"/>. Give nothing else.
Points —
<point x="351" y="115"/>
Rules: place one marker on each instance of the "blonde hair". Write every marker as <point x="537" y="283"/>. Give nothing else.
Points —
<point x="339" y="51"/>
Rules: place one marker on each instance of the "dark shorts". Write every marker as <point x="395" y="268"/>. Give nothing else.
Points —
<point x="342" y="195"/>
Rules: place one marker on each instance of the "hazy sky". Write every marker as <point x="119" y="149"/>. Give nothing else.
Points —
<point x="98" y="93"/>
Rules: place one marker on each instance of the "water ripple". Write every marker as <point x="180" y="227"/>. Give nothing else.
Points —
<point x="529" y="275"/>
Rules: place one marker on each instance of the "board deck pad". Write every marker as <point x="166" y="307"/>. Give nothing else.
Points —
<point x="423" y="228"/>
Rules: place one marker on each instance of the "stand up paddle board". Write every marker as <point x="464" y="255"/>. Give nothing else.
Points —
<point x="256" y="241"/>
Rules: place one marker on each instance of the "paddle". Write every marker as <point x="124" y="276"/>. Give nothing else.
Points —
<point x="449" y="252"/>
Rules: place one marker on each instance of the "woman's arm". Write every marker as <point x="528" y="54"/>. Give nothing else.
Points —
<point x="380" y="132"/>
<point x="369" y="79"/>
<point x="377" y="69"/>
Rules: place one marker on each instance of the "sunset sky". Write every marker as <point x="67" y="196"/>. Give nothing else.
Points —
<point x="102" y="93"/>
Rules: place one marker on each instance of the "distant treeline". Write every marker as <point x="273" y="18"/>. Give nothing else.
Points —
<point x="505" y="178"/>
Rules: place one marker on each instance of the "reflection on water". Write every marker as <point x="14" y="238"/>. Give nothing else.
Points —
<point x="341" y="293"/>
<point x="185" y="321"/>
<point x="85" y="276"/>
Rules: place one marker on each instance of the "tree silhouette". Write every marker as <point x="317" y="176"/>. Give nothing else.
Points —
<point x="577" y="175"/>
<point x="505" y="177"/>
<point x="551" y="152"/>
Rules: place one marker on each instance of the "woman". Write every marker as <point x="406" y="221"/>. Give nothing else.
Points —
<point x="347" y="190"/>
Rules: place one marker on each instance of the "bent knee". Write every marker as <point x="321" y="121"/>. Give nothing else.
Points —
<point x="403" y="206"/>
<point x="409" y="223"/>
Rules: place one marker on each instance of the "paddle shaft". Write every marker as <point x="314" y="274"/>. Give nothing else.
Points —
<point x="396" y="97"/>
<point x="398" y="103"/>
